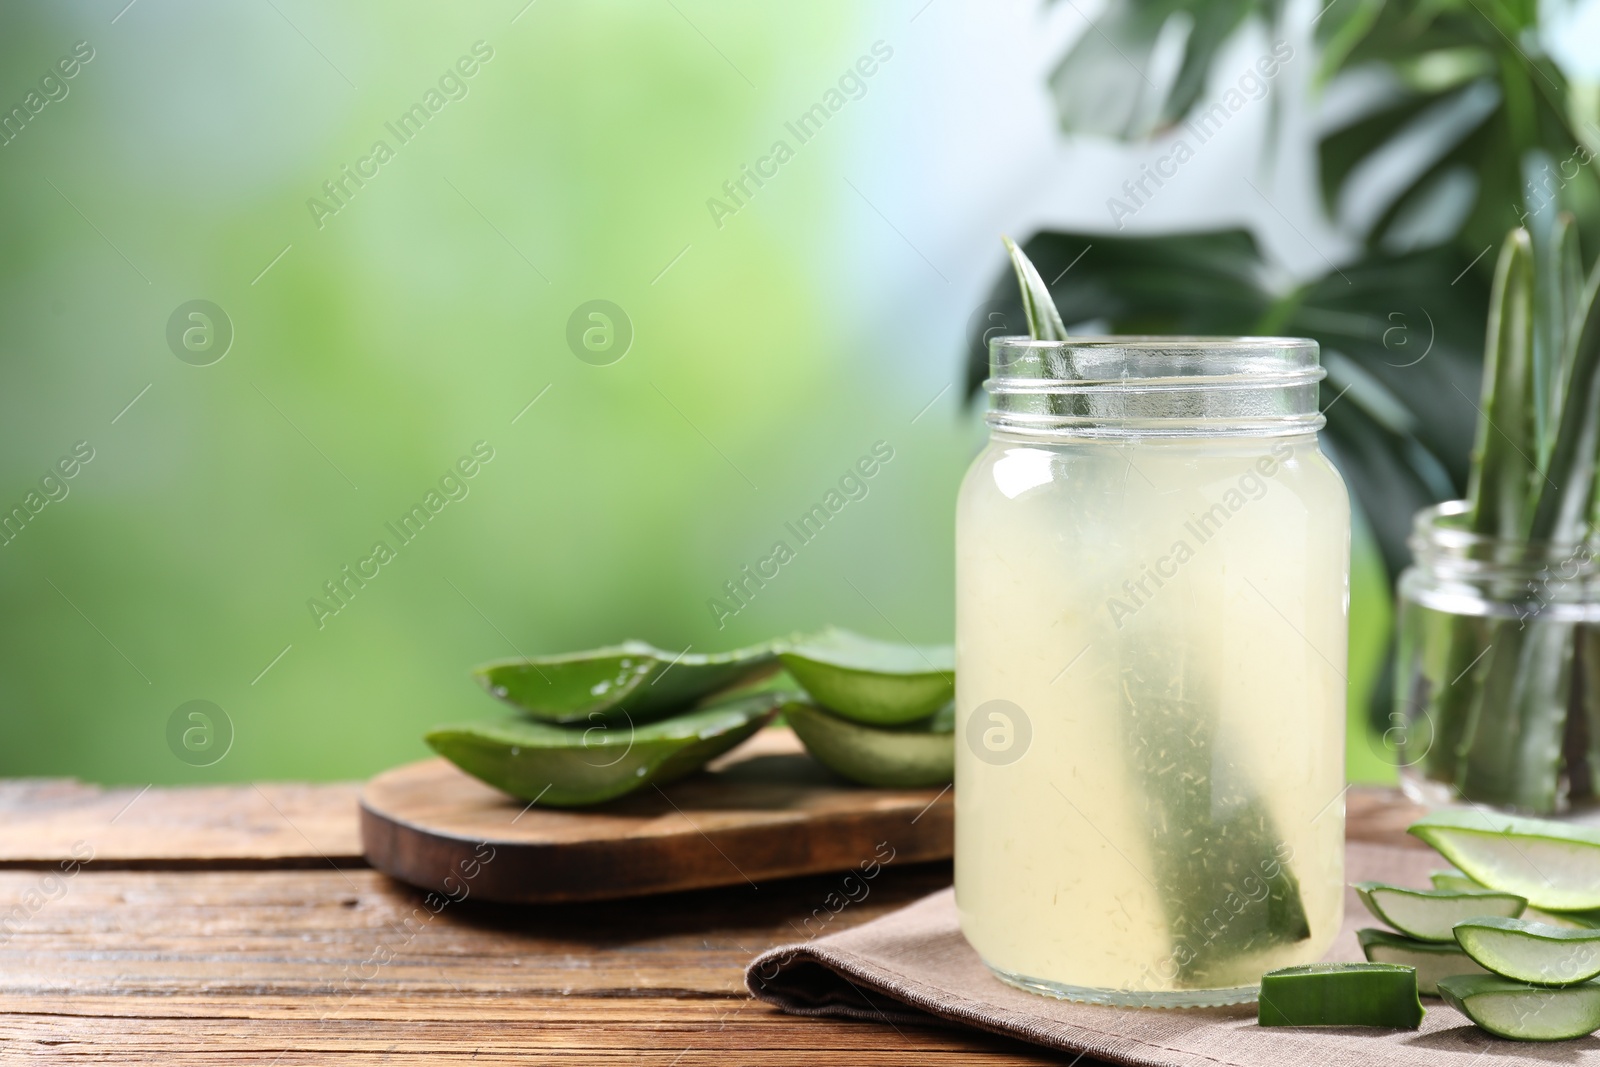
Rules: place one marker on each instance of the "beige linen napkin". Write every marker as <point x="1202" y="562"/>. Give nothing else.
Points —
<point x="913" y="964"/>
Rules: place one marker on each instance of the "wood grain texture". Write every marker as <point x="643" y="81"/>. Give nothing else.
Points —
<point x="764" y="811"/>
<point x="300" y="966"/>
<point x="349" y="967"/>
<point x="271" y="824"/>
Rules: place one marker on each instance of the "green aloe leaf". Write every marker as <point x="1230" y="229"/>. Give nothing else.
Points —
<point x="1512" y="747"/>
<point x="1523" y="1012"/>
<point x="631" y="682"/>
<point x="1431" y="914"/>
<point x="1209" y="832"/>
<point x="912" y="756"/>
<point x="1454" y="880"/>
<point x="1558" y="287"/>
<point x="569" y="767"/>
<point x="1504" y="472"/>
<point x="1341" y="994"/>
<point x="1555" y="865"/>
<point x="878" y="683"/>
<point x="1531" y="951"/>
<point x="1432" y="960"/>
<point x="1044" y="321"/>
<point x="1568" y="490"/>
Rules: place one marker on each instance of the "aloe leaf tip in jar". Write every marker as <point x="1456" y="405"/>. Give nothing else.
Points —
<point x="1152" y="557"/>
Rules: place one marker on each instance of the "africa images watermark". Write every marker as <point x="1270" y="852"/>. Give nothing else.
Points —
<point x="352" y="578"/>
<point x="53" y="488"/>
<point x="742" y="589"/>
<point x="832" y="905"/>
<point x="456" y="889"/>
<point x="1203" y="125"/>
<point x="852" y="85"/>
<point x="53" y="88"/>
<point x="342" y="188"/>
<point x="51" y="887"/>
<point x="1252" y="485"/>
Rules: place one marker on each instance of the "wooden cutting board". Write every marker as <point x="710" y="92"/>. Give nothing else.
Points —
<point x="763" y="811"/>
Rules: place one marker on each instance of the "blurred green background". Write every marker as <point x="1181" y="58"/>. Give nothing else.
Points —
<point x="371" y="352"/>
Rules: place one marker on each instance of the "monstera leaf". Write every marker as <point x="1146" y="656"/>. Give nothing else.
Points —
<point x="1142" y="64"/>
<point x="1403" y="345"/>
<point x="1491" y="124"/>
<point x="1463" y="129"/>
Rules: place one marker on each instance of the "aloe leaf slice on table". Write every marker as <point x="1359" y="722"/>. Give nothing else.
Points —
<point x="1531" y="952"/>
<point x="1432" y="960"/>
<point x="1524" y="1012"/>
<point x="1341" y="994"/>
<point x="1555" y="865"/>
<point x="912" y="756"/>
<point x="1431" y="914"/>
<point x="569" y="767"/>
<point x="631" y="682"/>
<point x="1454" y="880"/>
<point x="878" y="683"/>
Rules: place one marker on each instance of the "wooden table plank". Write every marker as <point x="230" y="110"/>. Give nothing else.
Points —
<point x="224" y="967"/>
<point x="212" y="928"/>
<point x="42" y="821"/>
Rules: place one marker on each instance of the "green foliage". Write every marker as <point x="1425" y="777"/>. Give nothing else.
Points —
<point x="1401" y="343"/>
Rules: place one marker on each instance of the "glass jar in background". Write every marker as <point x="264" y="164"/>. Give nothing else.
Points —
<point x="1497" y="697"/>
<point x="1152" y="567"/>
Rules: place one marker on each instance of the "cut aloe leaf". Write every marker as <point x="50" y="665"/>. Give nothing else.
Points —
<point x="1430" y="914"/>
<point x="1341" y="994"/>
<point x="912" y="756"/>
<point x="1570" y="920"/>
<point x="878" y="683"/>
<point x="1524" y="1012"/>
<point x="1555" y="865"/>
<point x="1432" y="960"/>
<point x="631" y="682"/>
<point x="569" y="766"/>
<point x="1531" y="952"/>
<point x="1454" y="880"/>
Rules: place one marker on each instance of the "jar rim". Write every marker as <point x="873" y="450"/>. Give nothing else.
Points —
<point x="1150" y="385"/>
<point x="1432" y="528"/>
<point x="1157" y="340"/>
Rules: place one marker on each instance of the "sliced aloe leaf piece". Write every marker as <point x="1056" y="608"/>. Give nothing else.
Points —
<point x="1531" y="951"/>
<point x="631" y="682"/>
<point x="913" y="756"/>
<point x="1431" y="914"/>
<point x="1555" y="865"/>
<point x="1570" y="920"/>
<point x="1432" y="960"/>
<point x="1454" y="880"/>
<point x="569" y="766"/>
<point x="1341" y="994"/>
<point x="878" y="683"/>
<point x="1524" y="1012"/>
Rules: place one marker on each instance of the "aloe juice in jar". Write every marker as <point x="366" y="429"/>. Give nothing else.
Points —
<point x="1152" y="575"/>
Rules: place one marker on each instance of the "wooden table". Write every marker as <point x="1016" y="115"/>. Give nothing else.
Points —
<point x="239" y="925"/>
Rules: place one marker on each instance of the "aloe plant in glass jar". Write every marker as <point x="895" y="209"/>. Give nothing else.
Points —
<point x="1499" y="665"/>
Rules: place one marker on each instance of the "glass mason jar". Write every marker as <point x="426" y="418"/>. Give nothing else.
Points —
<point x="1152" y="569"/>
<point x="1497" y="697"/>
